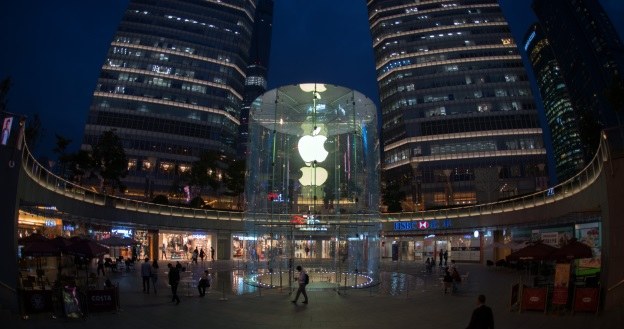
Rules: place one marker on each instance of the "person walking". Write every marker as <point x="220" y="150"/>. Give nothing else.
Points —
<point x="445" y="257"/>
<point x="100" y="266"/>
<point x="212" y="253"/>
<point x="146" y="273"/>
<point x="164" y="251"/>
<point x="195" y="255"/>
<point x="204" y="282"/>
<point x="155" y="275"/>
<point x="174" y="281"/>
<point x="482" y="316"/>
<point x="303" y="280"/>
<point x="202" y="254"/>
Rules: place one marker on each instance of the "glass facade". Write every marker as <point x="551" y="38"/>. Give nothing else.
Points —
<point x="312" y="185"/>
<point x="460" y="124"/>
<point x="171" y="86"/>
<point x="590" y="56"/>
<point x="560" y="115"/>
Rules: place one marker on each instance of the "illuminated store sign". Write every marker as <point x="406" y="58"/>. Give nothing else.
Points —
<point x="528" y="42"/>
<point x="422" y="225"/>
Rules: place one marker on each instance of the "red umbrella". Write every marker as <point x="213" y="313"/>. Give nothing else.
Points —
<point x="536" y="251"/>
<point x="41" y="248"/>
<point x="572" y="250"/>
<point x="115" y="241"/>
<point x="30" y="238"/>
<point x="86" y="248"/>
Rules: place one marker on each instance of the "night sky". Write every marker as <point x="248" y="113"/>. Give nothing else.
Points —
<point x="53" y="51"/>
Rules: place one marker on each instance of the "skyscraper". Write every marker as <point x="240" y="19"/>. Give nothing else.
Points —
<point x="172" y="86"/>
<point x="460" y="124"/>
<point x="591" y="59"/>
<point x="256" y="81"/>
<point x="560" y="115"/>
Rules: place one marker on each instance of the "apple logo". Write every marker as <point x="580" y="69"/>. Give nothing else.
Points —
<point x="313" y="176"/>
<point x="312" y="148"/>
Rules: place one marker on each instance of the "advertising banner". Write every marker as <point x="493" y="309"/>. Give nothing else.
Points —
<point x="6" y="130"/>
<point x="104" y="300"/>
<point x="37" y="301"/>
<point x="586" y="300"/>
<point x="589" y="234"/>
<point x="560" y="296"/>
<point x="533" y="299"/>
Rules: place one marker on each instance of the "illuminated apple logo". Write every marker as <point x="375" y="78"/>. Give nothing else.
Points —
<point x="313" y="176"/>
<point x="312" y="148"/>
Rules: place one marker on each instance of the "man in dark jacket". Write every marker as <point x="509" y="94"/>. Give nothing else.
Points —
<point x="482" y="317"/>
<point x="174" y="280"/>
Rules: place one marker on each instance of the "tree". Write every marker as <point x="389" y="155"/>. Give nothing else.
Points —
<point x="392" y="197"/>
<point x="110" y="160"/>
<point x="234" y="180"/>
<point x="61" y="150"/>
<point x="204" y="171"/>
<point x="160" y="199"/>
<point x="78" y="164"/>
<point x="33" y="132"/>
<point x="5" y="85"/>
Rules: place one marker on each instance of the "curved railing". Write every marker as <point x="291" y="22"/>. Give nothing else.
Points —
<point x="568" y="188"/>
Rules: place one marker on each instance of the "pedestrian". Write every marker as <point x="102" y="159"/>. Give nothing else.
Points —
<point x="482" y="316"/>
<point x="303" y="280"/>
<point x="445" y="257"/>
<point x="447" y="280"/>
<point x="195" y="255"/>
<point x="155" y="275"/>
<point x="204" y="282"/>
<point x="212" y="252"/>
<point x="100" y="266"/>
<point x="146" y="273"/>
<point x="164" y="251"/>
<point x="202" y="254"/>
<point x="456" y="279"/>
<point x="428" y="265"/>
<point x="174" y="280"/>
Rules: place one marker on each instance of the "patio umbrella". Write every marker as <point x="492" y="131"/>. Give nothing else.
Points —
<point x="116" y="241"/>
<point x="536" y="251"/>
<point x="41" y="248"/>
<point x="33" y="237"/>
<point x="574" y="249"/>
<point x="86" y="248"/>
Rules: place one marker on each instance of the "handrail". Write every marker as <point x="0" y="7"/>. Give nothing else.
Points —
<point x="571" y="186"/>
<point x="616" y="285"/>
<point x="7" y="287"/>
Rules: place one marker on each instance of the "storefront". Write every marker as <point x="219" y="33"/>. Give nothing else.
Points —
<point x="419" y="240"/>
<point x="179" y="245"/>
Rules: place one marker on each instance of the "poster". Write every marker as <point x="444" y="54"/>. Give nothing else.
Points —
<point x="6" y="130"/>
<point x="562" y="275"/>
<point x="589" y="234"/>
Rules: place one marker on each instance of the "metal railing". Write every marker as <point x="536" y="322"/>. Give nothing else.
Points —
<point x="570" y="187"/>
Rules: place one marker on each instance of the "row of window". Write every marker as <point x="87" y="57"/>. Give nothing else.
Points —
<point x="468" y="146"/>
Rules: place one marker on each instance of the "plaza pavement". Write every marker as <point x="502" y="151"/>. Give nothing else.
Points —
<point x="406" y="298"/>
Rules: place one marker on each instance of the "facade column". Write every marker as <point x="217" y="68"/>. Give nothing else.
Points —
<point x="10" y="171"/>
<point x="223" y="248"/>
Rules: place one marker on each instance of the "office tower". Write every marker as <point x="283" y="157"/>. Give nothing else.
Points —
<point x="591" y="59"/>
<point x="560" y="115"/>
<point x="172" y="86"/>
<point x="256" y="81"/>
<point x="460" y="124"/>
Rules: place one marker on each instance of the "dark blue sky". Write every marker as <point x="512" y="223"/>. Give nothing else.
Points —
<point x="53" y="51"/>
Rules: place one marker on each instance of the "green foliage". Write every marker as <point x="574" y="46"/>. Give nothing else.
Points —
<point x="234" y="177"/>
<point x="160" y="199"/>
<point x="392" y="197"/>
<point x="204" y="171"/>
<point x="110" y="159"/>
<point x="196" y="202"/>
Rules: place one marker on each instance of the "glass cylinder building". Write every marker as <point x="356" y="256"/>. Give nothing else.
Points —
<point x="312" y="187"/>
